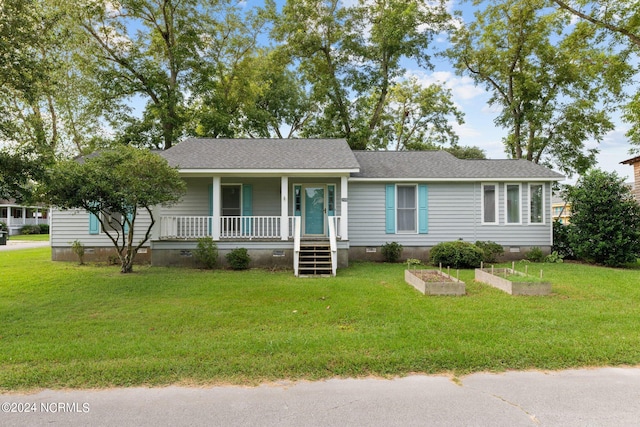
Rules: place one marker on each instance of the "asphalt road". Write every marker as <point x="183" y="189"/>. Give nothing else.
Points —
<point x="596" y="397"/>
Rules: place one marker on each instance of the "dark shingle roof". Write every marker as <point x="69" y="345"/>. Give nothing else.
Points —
<point x="335" y="155"/>
<point x="442" y="165"/>
<point x="262" y="154"/>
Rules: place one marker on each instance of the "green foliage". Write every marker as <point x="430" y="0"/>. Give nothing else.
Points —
<point x="391" y="251"/>
<point x="119" y="181"/>
<point x="238" y="259"/>
<point x="44" y="228"/>
<point x="605" y="218"/>
<point x="550" y="79"/>
<point x="553" y="258"/>
<point x="78" y="248"/>
<point x="337" y="59"/>
<point x="562" y="240"/>
<point x="413" y="262"/>
<point x="207" y="252"/>
<point x="3" y="226"/>
<point x="457" y="254"/>
<point x="30" y="229"/>
<point x="535" y="255"/>
<point x="491" y="250"/>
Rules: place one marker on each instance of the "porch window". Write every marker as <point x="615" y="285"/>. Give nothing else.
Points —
<point x="231" y="200"/>
<point x="489" y="203"/>
<point x="513" y="203"/>
<point x="406" y="209"/>
<point x="536" y="203"/>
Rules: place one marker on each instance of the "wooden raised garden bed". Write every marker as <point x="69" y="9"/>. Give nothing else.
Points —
<point x="506" y="279"/>
<point x="434" y="282"/>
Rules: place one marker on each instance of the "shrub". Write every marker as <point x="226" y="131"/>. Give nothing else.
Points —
<point x="206" y="252"/>
<point x="457" y="254"/>
<point x="78" y="248"/>
<point x="491" y="250"/>
<point x="30" y="229"/>
<point x="238" y="259"/>
<point x="605" y="218"/>
<point x="44" y="228"/>
<point x="562" y="240"/>
<point x="3" y="226"/>
<point x="554" y="258"/>
<point x="391" y="251"/>
<point x="535" y="255"/>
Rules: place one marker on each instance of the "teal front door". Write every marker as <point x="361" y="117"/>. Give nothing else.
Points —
<point x="314" y="210"/>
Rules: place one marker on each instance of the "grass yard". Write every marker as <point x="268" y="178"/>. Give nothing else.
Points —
<point x="31" y="237"/>
<point x="65" y="325"/>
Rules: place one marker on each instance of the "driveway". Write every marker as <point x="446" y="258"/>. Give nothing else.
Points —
<point x="592" y="397"/>
<point x="22" y="244"/>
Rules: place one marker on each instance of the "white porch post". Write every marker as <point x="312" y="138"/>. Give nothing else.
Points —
<point x="284" y="208"/>
<point x="24" y="216"/>
<point x="344" y="208"/>
<point x="215" y="203"/>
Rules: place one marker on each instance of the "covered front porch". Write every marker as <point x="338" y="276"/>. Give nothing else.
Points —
<point x="16" y="216"/>
<point x="266" y="213"/>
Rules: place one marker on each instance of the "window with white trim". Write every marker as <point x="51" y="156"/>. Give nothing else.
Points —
<point x="111" y="221"/>
<point x="512" y="203"/>
<point x="231" y="199"/>
<point x="406" y="209"/>
<point x="536" y="203"/>
<point x="489" y="203"/>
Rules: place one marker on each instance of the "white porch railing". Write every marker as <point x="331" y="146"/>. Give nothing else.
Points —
<point x="297" y="231"/>
<point x="231" y="227"/>
<point x="333" y="244"/>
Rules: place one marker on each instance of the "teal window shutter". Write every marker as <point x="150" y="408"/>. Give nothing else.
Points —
<point x="247" y="200"/>
<point x="94" y="224"/>
<point x="423" y="209"/>
<point x="390" y="209"/>
<point x="247" y="207"/>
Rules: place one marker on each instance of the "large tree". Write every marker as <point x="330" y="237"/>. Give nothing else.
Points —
<point x="146" y="49"/>
<point x="415" y="118"/>
<point x="352" y="56"/>
<point x="550" y="80"/>
<point x="620" y="21"/>
<point x="115" y="185"/>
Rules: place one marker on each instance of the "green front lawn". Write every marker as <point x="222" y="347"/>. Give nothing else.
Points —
<point x="64" y="325"/>
<point x="31" y="237"/>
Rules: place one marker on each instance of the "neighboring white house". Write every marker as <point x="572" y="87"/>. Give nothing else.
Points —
<point x="314" y="204"/>
<point x="17" y="216"/>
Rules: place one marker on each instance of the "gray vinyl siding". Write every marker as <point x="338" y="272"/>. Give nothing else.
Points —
<point x="454" y="212"/>
<point x="70" y="225"/>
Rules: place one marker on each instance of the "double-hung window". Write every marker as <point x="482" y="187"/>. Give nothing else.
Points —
<point x="536" y="203"/>
<point x="489" y="203"/>
<point x="406" y="208"/>
<point x="112" y="221"/>
<point x="512" y="203"/>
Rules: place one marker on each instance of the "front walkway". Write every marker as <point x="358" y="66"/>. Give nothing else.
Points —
<point x="598" y="397"/>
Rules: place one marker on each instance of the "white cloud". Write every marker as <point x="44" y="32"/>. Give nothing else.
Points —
<point x="462" y="88"/>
